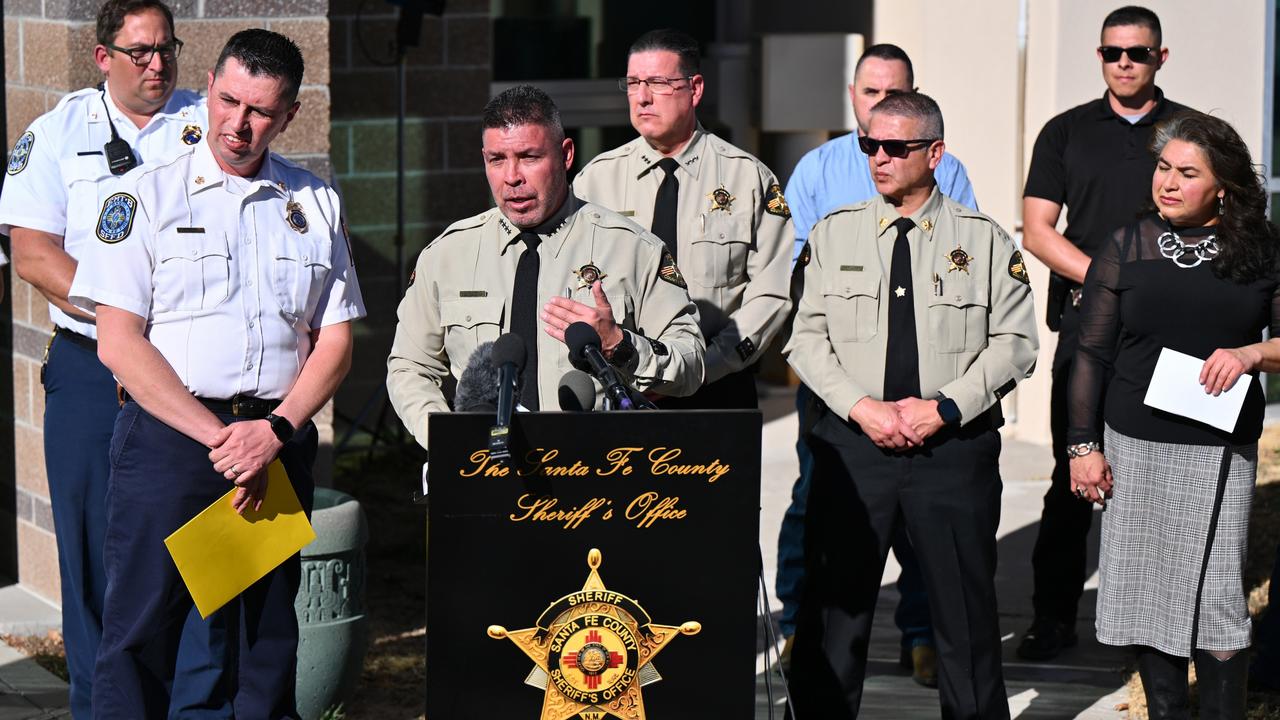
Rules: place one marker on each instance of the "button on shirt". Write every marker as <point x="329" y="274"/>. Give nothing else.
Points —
<point x="733" y="251"/>
<point x="1099" y="165"/>
<point x="58" y="174"/>
<point x="838" y="173"/>
<point x="975" y="327"/>
<point x="230" y="290"/>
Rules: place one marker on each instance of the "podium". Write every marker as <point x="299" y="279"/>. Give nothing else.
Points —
<point x="671" y="501"/>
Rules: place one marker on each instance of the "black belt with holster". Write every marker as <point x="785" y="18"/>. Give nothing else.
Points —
<point x="243" y="406"/>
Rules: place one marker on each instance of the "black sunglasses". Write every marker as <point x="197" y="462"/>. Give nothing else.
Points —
<point x="893" y="148"/>
<point x="1137" y="53"/>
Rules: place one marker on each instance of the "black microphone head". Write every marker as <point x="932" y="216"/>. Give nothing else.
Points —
<point x="578" y="336"/>
<point x="478" y="385"/>
<point x="508" y="348"/>
<point x="577" y="392"/>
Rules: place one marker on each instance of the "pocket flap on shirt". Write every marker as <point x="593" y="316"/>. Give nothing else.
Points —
<point x="304" y="249"/>
<point x="190" y="246"/>
<point x="470" y="312"/>
<point x="960" y="297"/>
<point x="851" y="284"/>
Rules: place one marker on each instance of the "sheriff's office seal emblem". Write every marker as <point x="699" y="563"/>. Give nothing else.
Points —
<point x="776" y="204"/>
<point x="721" y="200"/>
<point x="297" y="219"/>
<point x="667" y="270"/>
<point x="116" y="220"/>
<point x="588" y="275"/>
<point x="593" y="651"/>
<point x="958" y="259"/>
<point x="1018" y="268"/>
<point x="21" y="152"/>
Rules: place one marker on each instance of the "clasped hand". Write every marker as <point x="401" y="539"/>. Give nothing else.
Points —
<point x="1091" y="478"/>
<point x="899" y="425"/>
<point x="241" y="452"/>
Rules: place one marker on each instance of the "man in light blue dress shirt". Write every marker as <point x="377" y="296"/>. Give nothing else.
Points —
<point x="835" y="174"/>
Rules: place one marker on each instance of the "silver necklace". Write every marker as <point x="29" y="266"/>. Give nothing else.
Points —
<point x="1187" y="256"/>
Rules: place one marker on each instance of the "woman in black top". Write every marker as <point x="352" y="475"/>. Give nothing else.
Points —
<point x="1198" y="275"/>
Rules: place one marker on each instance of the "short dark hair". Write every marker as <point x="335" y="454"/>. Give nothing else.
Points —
<point x="913" y="105"/>
<point x="262" y="52"/>
<point x="522" y="105"/>
<point x="887" y="51"/>
<point x="1135" y="15"/>
<point x="666" y="39"/>
<point x="113" y="12"/>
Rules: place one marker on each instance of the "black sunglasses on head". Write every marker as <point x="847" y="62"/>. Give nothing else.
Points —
<point x="893" y="148"/>
<point x="1137" y="53"/>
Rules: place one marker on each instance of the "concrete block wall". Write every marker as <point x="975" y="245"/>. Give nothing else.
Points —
<point x="447" y="84"/>
<point x="48" y="52"/>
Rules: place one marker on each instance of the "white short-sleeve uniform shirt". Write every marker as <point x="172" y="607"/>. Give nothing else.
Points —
<point x="58" y="175"/>
<point x="231" y="274"/>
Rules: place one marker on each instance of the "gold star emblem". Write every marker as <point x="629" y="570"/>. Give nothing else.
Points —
<point x="199" y="179"/>
<point x="720" y="200"/>
<point x="593" y="651"/>
<point x="884" y="223"/>
<point x="926" y="225"/>
<point x="900" y="291"/>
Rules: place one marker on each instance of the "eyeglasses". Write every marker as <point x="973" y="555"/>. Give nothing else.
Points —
<point x="1137" y="53"/>
<point x="142" y="55"/>
<point x="893" y="148"/>
<point x="657" y="85"/>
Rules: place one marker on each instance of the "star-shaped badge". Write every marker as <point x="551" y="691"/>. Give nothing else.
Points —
<point x="900" y="291"/>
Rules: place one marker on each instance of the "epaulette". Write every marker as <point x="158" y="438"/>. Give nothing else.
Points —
<point x="470" y="223"/>
<point x="855" y="207"/>
<point x="618" y="153"/>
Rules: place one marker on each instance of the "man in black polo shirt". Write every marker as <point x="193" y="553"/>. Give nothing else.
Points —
<point x="1094" y="159"/>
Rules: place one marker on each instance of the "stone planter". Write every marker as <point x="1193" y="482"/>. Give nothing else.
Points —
<point x="332" y="627"/>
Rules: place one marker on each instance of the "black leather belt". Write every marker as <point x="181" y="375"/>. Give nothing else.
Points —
<point x="76" y="338"/>
<point x="244" y="406"/>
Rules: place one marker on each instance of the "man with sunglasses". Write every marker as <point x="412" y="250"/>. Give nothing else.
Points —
<point x="915" y="319"/>
<point x="718" y="209"/>
<point x="60" y="170"/>
<point x="834" y="174"/>
<point x="1094" y="159"/>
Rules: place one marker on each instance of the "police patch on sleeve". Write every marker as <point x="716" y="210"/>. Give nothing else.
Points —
<point x="775" y="204"/>
<point x="116" y="219"/>
<point x="1018" y="268"/>
<point x="21" y="152"/>
<point x="668" y="271"/>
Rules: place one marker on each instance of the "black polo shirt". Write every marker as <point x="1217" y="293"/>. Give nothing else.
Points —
<point x="1099" y="165"/>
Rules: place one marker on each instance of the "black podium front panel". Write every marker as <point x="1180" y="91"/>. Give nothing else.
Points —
<point x="671" y="499"/>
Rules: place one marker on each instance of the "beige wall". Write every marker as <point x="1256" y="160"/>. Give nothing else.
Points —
<point x="968" y="61"/>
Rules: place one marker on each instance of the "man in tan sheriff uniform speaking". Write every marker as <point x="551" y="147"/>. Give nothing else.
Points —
<point x="538" y="262"/>
<point x="719" y="210"/>
<point x="916" y="318"/>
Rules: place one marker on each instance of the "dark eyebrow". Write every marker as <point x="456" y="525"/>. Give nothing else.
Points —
<point x="225" y="96"/>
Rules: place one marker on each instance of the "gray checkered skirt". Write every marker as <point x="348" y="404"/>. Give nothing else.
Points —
<point x="1156" y="530"/>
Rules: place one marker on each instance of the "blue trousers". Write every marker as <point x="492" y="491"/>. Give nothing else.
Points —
<point x="912" y="615"/>
<point x="159" y="480"/>
<point x="80" y="412"/>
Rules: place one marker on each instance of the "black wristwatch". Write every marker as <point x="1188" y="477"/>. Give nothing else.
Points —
<point x="281" y="427"/>
<point x="624" y="352"/>
<point x="948" y="410"/>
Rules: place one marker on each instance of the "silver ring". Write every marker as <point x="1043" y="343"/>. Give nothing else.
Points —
<point x="234" y="471"/>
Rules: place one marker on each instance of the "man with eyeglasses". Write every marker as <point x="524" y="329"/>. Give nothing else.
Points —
<point x="834" y="174"/>
<point x="60" y="170"/>
<point x="1093" y="158"/>
<point x="718" y="209"/>
<point x="915" y="319"/>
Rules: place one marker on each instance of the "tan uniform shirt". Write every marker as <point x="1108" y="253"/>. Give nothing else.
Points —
<point x="975" y="325"/>
<point x="460" y="293"/>
<point x="735" y="253"/>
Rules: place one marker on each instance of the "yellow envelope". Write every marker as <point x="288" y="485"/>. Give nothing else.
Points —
<point x="220" y="553"/>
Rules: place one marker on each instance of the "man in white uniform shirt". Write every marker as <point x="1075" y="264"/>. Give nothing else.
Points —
<point x="58" y="174"/>
<point x="224" y="290"/>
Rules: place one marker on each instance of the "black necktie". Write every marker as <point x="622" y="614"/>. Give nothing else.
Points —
<point x="524" y="316"/>
<point x="902" y="355"/>
<point x="664" y="207"/>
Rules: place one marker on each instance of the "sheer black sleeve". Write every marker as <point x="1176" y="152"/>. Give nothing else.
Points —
<point x="1274" y="327"/>
<point x="1096" y="351"/>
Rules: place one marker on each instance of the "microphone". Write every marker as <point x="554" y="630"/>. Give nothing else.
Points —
<point x="507" y="357"/>
<point x="584" y="344"/>
<point x="577" y="392"/>
<point x="478" y="386"/>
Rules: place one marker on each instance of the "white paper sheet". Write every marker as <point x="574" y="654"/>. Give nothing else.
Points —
<point x="1175" y="387"/>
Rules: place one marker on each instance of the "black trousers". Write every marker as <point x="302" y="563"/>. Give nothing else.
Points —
<point x="948" y="496"/>
<point x="735" y="391"/>
<point x="1059" y="558"/>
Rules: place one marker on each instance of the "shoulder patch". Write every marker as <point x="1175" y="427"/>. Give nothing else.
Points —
<point x="116" y="220"/>
<point x="775" y="204"/>
<point x="21" y="152"/>
<point x="1018" y="268"/>
<point x="668" y="271"/>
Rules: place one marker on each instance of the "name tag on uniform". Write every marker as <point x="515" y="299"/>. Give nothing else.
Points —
<point x="83" y="153"/>
<point x="627" y="213"/>
<point x="473" y="293"/>
<point x="189" y="230"/>
<point x="850" y="268"/>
